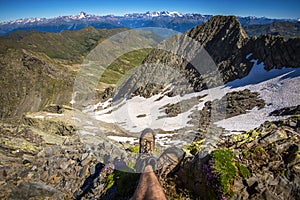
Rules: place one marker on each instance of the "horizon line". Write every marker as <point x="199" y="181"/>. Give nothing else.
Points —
<point x="122" y="15"/>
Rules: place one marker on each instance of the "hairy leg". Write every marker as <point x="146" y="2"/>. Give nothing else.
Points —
<point x="149" y="187"/>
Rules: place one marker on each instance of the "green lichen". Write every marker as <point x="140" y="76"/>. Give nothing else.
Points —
<point x="28" y="147"/>
<point x="259" y="150"/>
<point x="247" y="137"/>
<point x="246" y="153"/>
<point x="130" y="164"/>
<point x="244" y="171"/>
<point x="18" y="144"/>
<point x="134" y="149"/>
<point x="194" y="147"/>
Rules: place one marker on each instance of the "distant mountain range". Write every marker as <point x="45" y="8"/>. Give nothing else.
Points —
<point x="165" y="19"/>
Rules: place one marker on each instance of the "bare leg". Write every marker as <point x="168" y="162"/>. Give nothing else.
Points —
<point x="149" y="187"/>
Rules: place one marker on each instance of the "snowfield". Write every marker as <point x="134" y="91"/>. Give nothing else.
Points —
<point x="279" y="88"/>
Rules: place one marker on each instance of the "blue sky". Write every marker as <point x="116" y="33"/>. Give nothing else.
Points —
<point x="16" y="9"/>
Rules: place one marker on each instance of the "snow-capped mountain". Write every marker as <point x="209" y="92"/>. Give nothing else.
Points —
<point x="155" y="14"/>
<point x="165" y="19"/>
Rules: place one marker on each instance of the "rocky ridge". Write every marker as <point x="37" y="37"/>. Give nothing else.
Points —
<point x="229" y="47"/>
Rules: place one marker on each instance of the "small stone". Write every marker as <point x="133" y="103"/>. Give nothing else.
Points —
<point x="54" y="179"/>
<point x="93" y="169"/>
<point x="3" y="183"/>
<point x="41" y="154"/>
<point x="27" y="159"/>
<point x="66" y="141"/>
<point x="44" y="176"/>
<point x="293" y="124"/>
<point x="64" y="165"/>
<point x="87" y="160"/>
<point x="84" y="156"/>
<point x="250" y="181"/>
<point x="16" y="151"/>
<point x="84" y="172"/>
<point x="30" y="175"/>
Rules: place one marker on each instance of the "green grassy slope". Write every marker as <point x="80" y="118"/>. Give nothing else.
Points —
<point x="39" y="68"/>
<point x="123" y="64"/>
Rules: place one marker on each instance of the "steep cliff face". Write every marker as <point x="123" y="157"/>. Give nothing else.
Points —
<point x="224" y="38"/>
<point x="228" y="44"/>
<point x="192" y="60"/>
<point x="221" y="36"/>
<point x="29" y="82"/>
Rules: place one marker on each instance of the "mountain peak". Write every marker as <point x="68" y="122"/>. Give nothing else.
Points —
<point x="156" y="14"/>
<point x="218" y="29"/>
<point x="81" y="15"/>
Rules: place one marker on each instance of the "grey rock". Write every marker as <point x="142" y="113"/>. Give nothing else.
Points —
<point x="27" y="190"/>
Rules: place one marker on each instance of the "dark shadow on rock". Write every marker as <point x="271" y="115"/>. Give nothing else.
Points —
<point x="258" y="75"/>
<point x="88" y="184"/>
<point x="293" y="74"/>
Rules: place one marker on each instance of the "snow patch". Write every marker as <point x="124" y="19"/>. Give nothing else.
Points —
<point x="39" y="117"/>
<point x="54" y="114"/>
<point x="279" y="88"/>
<point x="131" y="140"/>
<point x="126" y="113"/>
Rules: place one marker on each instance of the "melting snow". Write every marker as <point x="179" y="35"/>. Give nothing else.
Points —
<point x="131" y="140"/>
<point x="39" y="117"/>
<point x="163" y="140"/>
<point x="279" y="88"/>
<point x="54" y="114"/>
<point x="125" y="114"/>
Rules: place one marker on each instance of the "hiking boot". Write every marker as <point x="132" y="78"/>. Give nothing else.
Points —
<point x="147" y="141"/>
<point x="168" y="160"/>
<point x="147" y="145"/>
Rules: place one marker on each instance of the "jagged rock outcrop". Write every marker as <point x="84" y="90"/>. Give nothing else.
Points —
<point x="260" y="164"/>
<point x="59" y="121"/>
<point x="274" y="51"/>
<point x="223" y="37"/>
<point x="230" y="105"/>
<point x="294" y="110"/>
